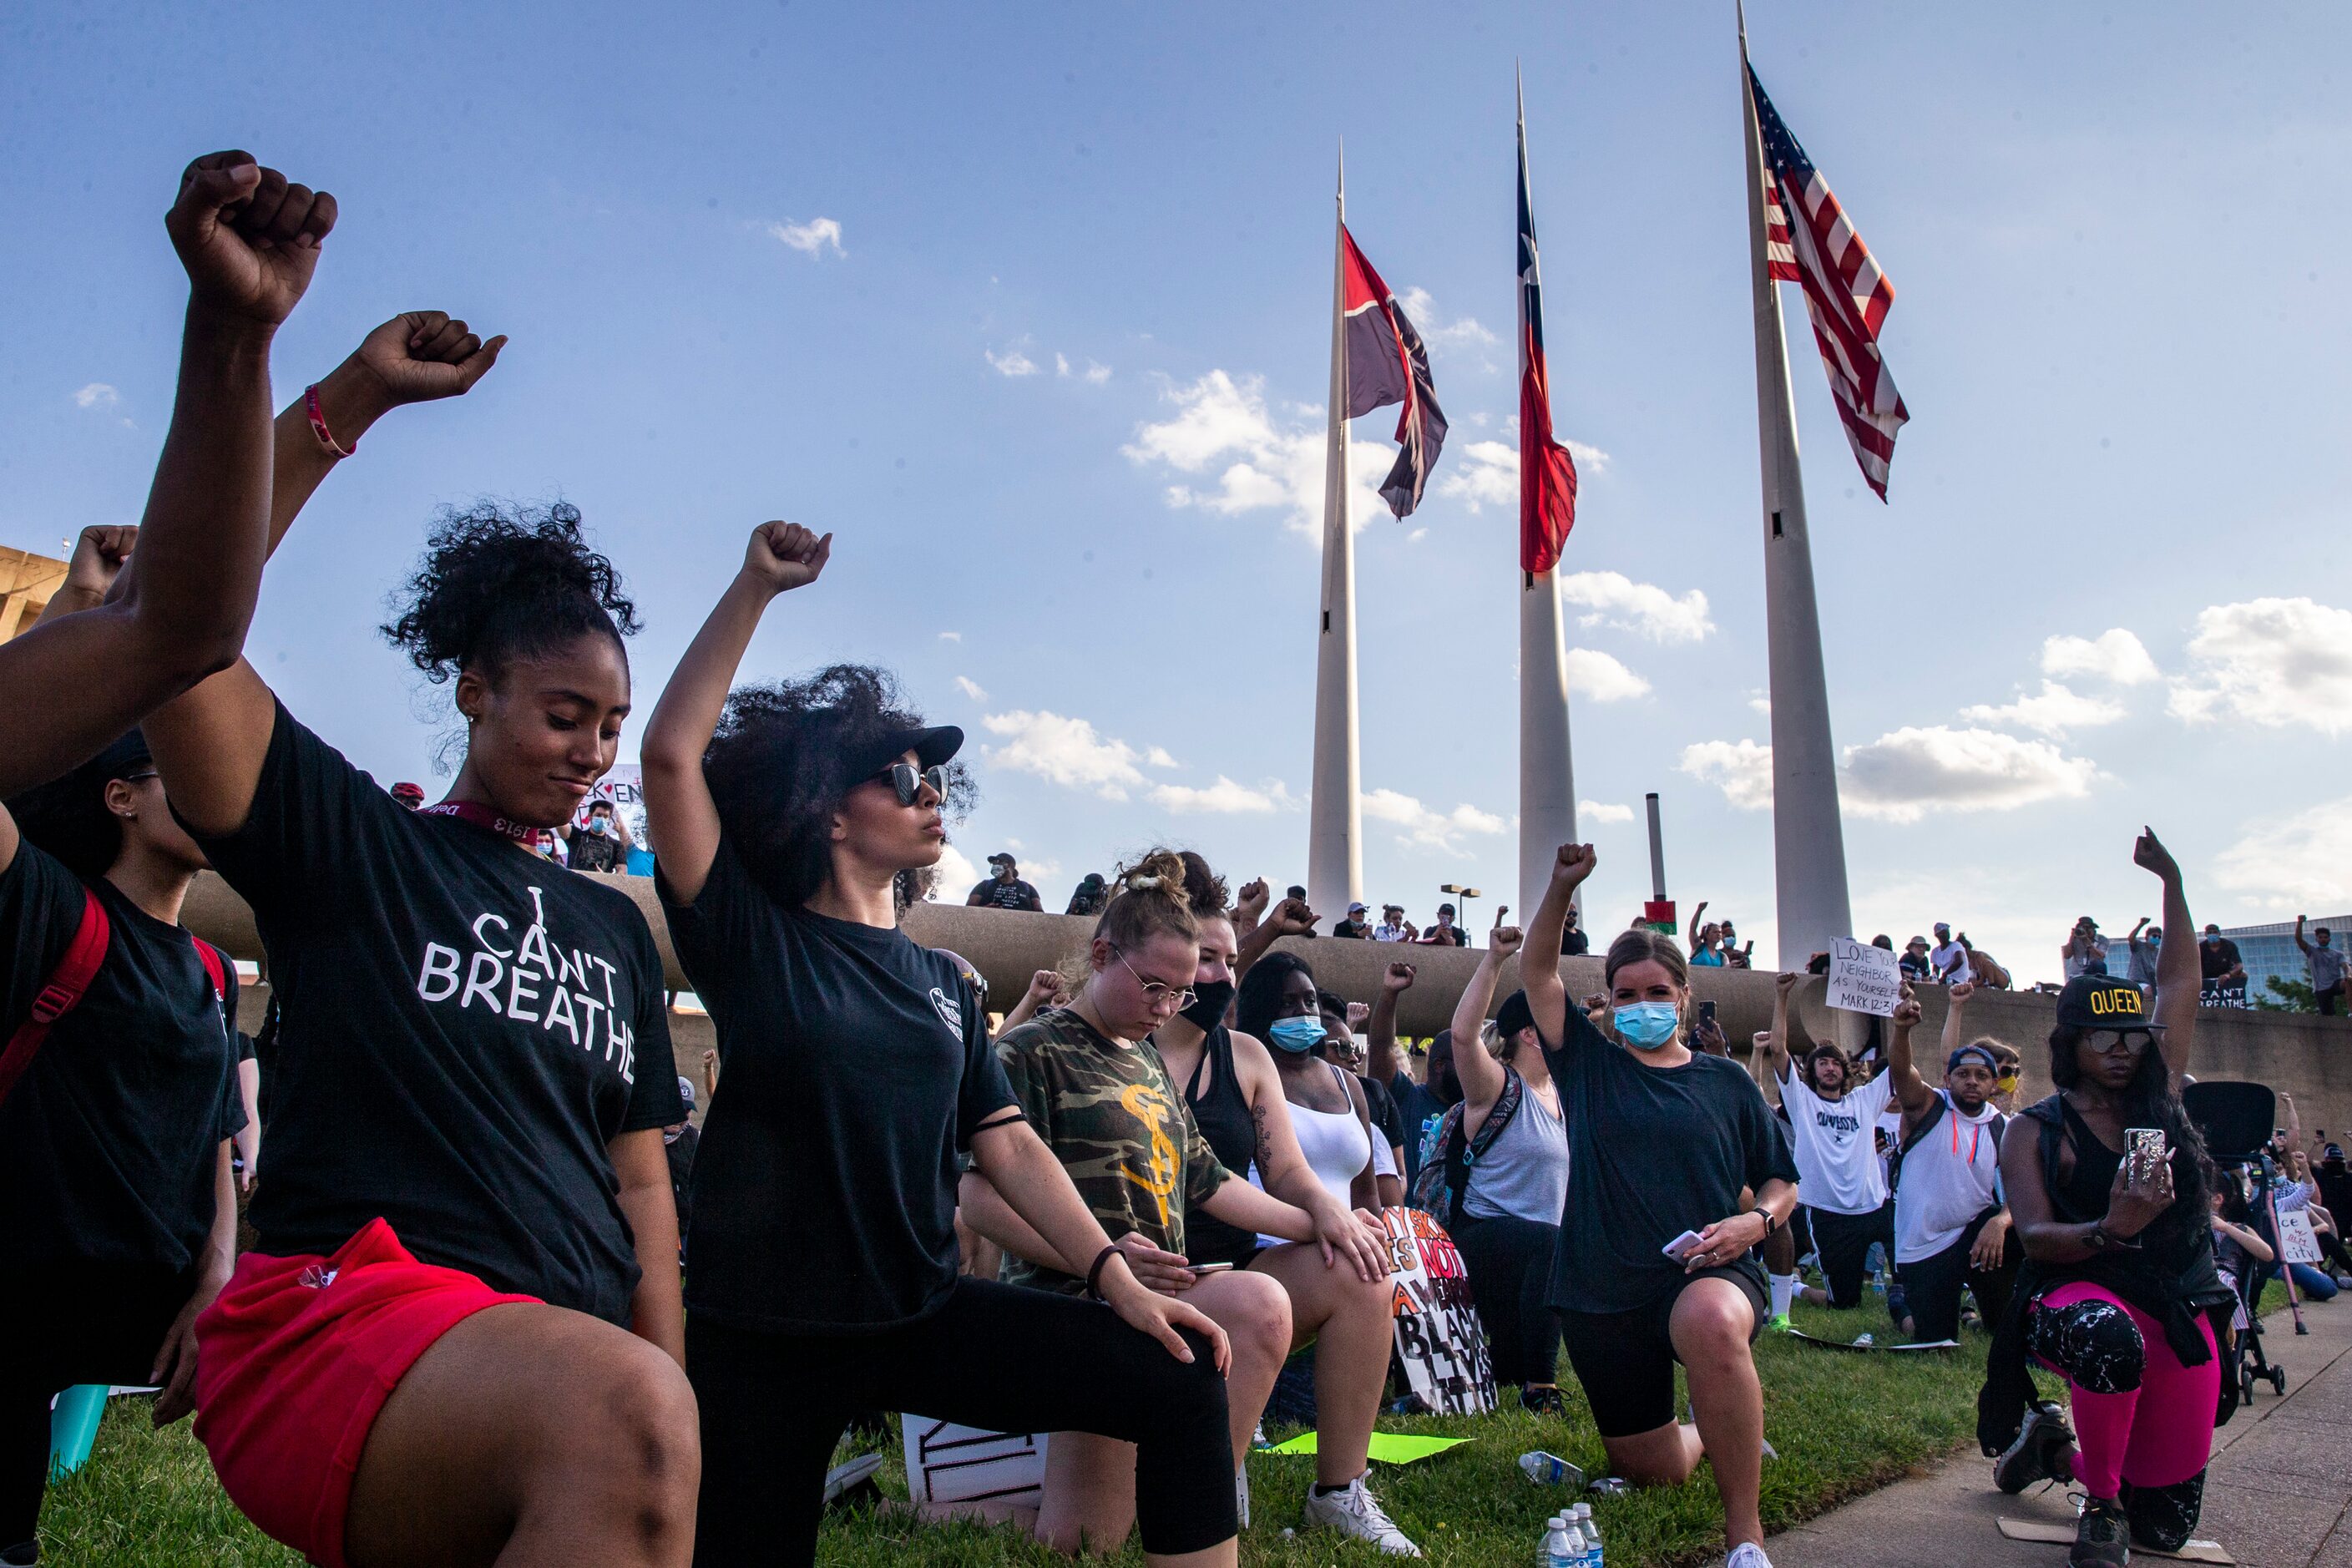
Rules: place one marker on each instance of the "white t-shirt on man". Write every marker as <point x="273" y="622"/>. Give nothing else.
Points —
<point x="1950" y="1178"/>
<point x="1835" y="1143"/>
<point x="1946" y="955"/>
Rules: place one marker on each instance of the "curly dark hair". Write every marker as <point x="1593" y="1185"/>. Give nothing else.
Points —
<point x="1260" y="995"/>
<point x="500" y="583"/>
<point x="785" y="754"/>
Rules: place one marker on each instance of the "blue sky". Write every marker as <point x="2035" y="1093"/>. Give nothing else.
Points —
<point x="1031" y="306"/>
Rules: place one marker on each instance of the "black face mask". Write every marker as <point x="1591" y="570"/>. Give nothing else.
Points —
<point x="1210" y="1000"/>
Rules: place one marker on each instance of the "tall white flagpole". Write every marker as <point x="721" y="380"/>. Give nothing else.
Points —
<point x="1334" y="857"/>
<point x="1808" y="834"/>
<point x="1547" y="779"/>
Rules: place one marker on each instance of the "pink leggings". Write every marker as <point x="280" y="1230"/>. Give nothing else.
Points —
<point x="2139" y="1415"/>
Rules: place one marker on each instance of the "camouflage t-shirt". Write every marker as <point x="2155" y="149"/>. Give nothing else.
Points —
<point x="1113" y="1118"/>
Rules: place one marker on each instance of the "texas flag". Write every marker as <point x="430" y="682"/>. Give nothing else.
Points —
<point x="1547" y="472"/>
<point x="1386" y="364"/>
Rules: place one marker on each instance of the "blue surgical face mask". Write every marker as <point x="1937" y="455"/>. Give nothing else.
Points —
<point x="1296" y="1036"/>
<point x="1648" y="1026"/>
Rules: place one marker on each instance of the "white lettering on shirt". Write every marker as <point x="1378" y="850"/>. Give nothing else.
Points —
<point x="534" y="981"/>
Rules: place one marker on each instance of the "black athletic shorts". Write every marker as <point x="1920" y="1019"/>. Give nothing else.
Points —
<point x="1626" y="1359"/>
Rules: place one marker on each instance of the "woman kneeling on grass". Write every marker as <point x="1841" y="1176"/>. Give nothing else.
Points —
<point x="2119" y="1293"/>
<point x="1095" y="1088"/>
<point x="857" y="1067"/>
<point x="1661" y="1140"/>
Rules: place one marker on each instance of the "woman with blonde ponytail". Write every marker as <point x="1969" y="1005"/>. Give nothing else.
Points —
<point x="1095" y="1088"/>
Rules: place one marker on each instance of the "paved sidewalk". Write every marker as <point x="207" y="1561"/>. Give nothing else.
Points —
<point x="2279" y="1494"/>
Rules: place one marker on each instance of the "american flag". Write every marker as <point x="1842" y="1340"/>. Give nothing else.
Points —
<point x="1845" y="293"/>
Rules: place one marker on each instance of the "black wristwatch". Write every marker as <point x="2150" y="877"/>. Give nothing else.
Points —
<point x="2102" y="1240"/>
<point x="1765" y="1215"/>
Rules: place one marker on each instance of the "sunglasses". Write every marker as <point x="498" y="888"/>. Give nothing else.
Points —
<point x="2119" y="1041"/>
<point x="909" y="782"/>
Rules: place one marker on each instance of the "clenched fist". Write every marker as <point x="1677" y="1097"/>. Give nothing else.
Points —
<point x="249" y="237"/>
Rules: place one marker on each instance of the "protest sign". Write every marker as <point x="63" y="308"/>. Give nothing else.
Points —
<point x="2297" y="1240"/>
<point x="625" y="789"/>
<point x="1439" y="1339"/>
<point x="1862" y="978"/>
<point x="951" y="1464"/>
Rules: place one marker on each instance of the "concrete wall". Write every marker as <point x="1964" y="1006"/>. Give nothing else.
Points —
<point x="2302" y="1054"/>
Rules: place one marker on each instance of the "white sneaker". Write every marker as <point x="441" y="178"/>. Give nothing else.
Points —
<point x="1241" y="1495"/>
<point x="1748" y="1554"/>
<point x="1354" y="1510"/>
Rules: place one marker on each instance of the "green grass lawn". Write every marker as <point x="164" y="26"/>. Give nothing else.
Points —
<point x="1843" y="1423"/>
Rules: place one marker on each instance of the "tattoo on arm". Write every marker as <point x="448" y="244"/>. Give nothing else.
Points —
<point x="1265" y="1144"/>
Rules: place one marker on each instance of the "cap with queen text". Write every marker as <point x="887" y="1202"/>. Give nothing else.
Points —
<point x="2103" y="1001"/>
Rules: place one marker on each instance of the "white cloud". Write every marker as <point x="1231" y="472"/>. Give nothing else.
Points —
<point x="950" y="636"/>
<point x="98" y="395"/>
<point x="1157" y="757"/>
<point x="2293" y="863"/>
<point x="1422" y="825"/>
<point x="1094" y="375"/>
<point x="1596" y="675"/>
<point x="1465" y="333"/>
<point x="955" y="876"/>
<point x="1224" y="798"/>
<point x="1223" y="426"/>
<point x="810" y="239"/>
<point x="971" y="688"/>
<point x="1482" y="474"/>
<point x="1761" y="702"/>
<point x="1598" y="810"/>
<point x="2273" y="662"/>
<point x="1011" y="362"/>
<point x="1065" y="751"/>
<point x="1906" y="773"/>
<point x="2053" y="713"/>
<point x="2113" y="656"/>
<point x="1741" y="769"/>
<point x="1616" y="600"/>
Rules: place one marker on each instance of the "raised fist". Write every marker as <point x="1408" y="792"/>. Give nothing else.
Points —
<point x="2150" y="855"/>
<point x="1250" y="901"/>
<point x="98" y="557"/>
<point x="1398" y="978"/>
<point x="1573" y="864"/>
<point x="419" y="355"/>
<point x="249" y="238"/>
<point x="1504" y="941"/>
<point x="1786" y="982"/>
<point x="1292" y="918"/>
<point x="785" y="556"/>
<point x="1906" y="1011"/>
<point x="1961" y="990"/>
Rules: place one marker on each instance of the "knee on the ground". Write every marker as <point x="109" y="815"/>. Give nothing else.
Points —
<point x="2163" y="1517"/>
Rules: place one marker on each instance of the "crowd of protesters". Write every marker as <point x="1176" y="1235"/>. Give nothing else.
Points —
<point x="462" y="1331"/>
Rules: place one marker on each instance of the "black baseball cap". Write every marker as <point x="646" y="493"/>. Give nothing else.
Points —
<point x="2103" y="1001"/>
<point x="1513" y="1014"/>
<point x="932" y="746"/>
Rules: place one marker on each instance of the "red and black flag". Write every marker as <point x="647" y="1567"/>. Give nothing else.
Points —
<point x="1386" y="364"/>
<point x="1547" y="472"/>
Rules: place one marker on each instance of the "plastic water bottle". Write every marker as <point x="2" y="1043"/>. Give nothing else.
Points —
<point x="1581" y="1516"/>
<point x="1545" y="1470"/>
<point x="1562" y="1546"/>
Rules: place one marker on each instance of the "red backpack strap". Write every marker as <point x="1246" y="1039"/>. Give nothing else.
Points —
<point x="67" y="982"/>
<point x="215" y="966"/>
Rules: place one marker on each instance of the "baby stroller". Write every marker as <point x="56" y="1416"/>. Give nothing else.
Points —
<point x="2236" y="1119"/>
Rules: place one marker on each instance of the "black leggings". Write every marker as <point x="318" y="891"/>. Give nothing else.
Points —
<point x="1844" y="1241"/>
<point x="62" y="1323"/>
<point x="1932" y="1286"/>
<point x="996" y="1356"/>
<point x="1509" y="1261"/>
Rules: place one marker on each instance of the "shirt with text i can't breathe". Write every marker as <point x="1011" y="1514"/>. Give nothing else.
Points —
<point x="855" y="1067"/>
<point x="111" y="1141"/>
<point x="463" y="1029"/>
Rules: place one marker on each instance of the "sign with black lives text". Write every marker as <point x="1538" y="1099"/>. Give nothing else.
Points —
<point x="951" y="1464"/>
<point x="1438" y="1335"/>
<point x="1862" y="978"/>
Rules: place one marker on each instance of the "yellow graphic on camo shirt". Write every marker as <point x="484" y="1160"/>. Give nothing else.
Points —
<point x="1113" y="1118"/>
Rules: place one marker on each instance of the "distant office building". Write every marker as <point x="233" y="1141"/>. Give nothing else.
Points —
<point x="26" y="581"/>
<point x="2270" y="950"/>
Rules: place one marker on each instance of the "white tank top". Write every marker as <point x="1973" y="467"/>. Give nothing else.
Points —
<point x="1950" y="1178"/>
<point x="1337" y="1146"/>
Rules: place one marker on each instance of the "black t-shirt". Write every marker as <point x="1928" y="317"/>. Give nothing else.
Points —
<point x="110" y="1142"/>
<point x="1416" y="1107"/>
<point x="1015" y="894"/>
<point x="680" y="1146"/>
<point x="464" y="1028"/>
<point x="1652" y="1153"/>
<point x="1361" y="929"/>
<point x="1446" y="936"/>
<point x="2217" y="958"/>
<point x="856" y="1067"/>
<point x="594" y="851"/>
<point x="1382" y="1107"/>
<point x="1573" y="943"/>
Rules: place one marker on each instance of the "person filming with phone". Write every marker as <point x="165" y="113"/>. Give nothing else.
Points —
<point x="2108" y="1185"/>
